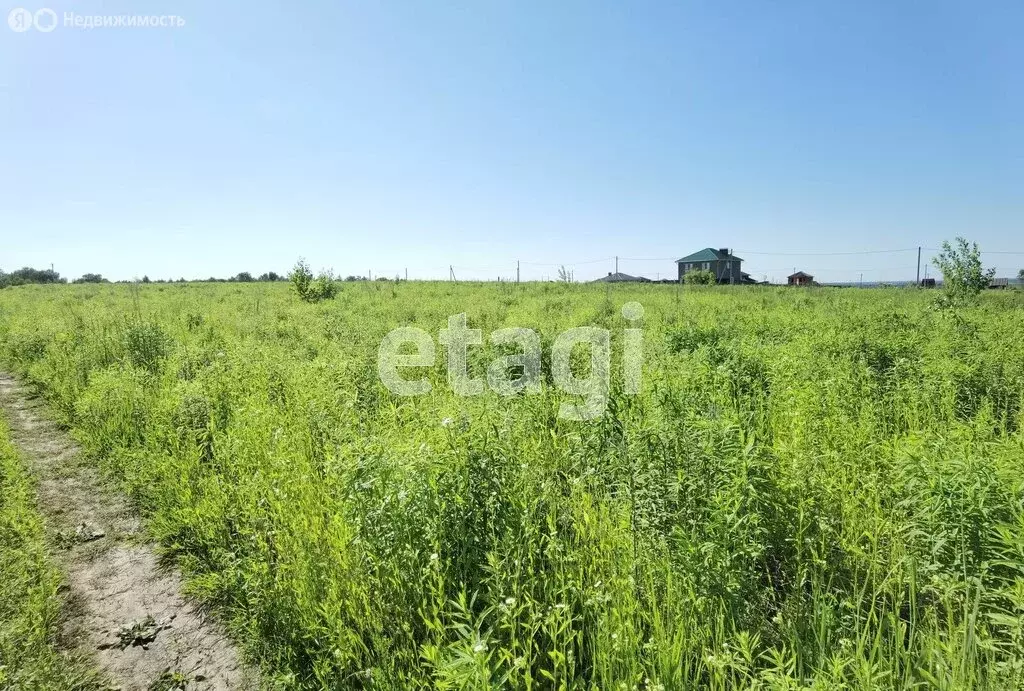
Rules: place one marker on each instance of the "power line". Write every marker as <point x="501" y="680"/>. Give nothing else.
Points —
<point x="936" y="249"/>
<point x="827" y="254"/>
<point x="591" y="261"/>
<point x="752" y="263"/>
<point x="793" y="254"/>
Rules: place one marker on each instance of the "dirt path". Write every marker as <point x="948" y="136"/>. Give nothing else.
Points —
<point x="124" y="609"/>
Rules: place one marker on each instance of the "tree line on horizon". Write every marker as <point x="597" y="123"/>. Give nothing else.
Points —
<point x="30" y="276"/>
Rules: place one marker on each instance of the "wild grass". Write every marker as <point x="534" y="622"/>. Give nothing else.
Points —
<point x="816" y="488"/>
<point x="29" y="602"/>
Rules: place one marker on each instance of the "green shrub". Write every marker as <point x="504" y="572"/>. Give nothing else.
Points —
<point x="146" y="345"/>
<point x="699" y="277"/>
<point x="309" y="289"/>
<point x="963" y="276"/>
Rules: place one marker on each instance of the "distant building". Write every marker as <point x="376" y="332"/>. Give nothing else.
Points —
<point x="800" y="279"/>
<point x="721" y="262"/>
<point x="999" y="283"/>
<point x="927" y="282"/>
<point x="621" y="278"/>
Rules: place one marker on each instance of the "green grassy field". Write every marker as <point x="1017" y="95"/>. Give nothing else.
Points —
<point x="815" y="487"/>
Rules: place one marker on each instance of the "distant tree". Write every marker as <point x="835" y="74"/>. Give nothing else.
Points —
<point x="963" y="275"/>
<point x="1020" y="274"/>
<point x="564" y="275"/>
<point x="700" y="277"/>
<point x="27" y="275"/>
<point x="244" y="277"/>
<point x="353" y="278"/>
<point x="270" y="276"/>
<point x="91" y="278"/>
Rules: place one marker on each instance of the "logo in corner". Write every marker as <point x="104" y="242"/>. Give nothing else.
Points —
<point x="45" y="20"/>
<point x="19" y="19"/>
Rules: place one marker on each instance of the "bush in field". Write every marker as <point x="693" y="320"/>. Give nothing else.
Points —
<point x="963" y="275"/>
<point x="310" y="289"/>
<point x="700" y="277"/>
<point x="146" y="345"/>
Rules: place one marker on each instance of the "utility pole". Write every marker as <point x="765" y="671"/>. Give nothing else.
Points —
<point x="862" y="280"/>
<point x="517" y="271"/>
<point x="918" y="266"/>
<point x="616" y="265"/>
<point x="407" y="273"/>
<point x="451" y="272"/>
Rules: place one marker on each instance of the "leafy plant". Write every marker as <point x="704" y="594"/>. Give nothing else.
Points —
<point x="146" y="345"/>
<point x="699" y="277"/>
<point x="309" y="289"/>
<point x="963" y="275"/>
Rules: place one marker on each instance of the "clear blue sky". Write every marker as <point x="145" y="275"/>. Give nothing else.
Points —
<point x="391" y="134"/>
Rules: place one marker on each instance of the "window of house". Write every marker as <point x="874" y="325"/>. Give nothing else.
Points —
<point x="707" y="266"/>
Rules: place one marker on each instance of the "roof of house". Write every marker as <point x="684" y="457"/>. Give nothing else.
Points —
<point x="621" y="278"/>
<point x="800" y="274"/>
<point x="708" y="254"/>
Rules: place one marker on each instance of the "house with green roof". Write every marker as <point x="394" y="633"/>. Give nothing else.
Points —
<point x="721" y="262"/>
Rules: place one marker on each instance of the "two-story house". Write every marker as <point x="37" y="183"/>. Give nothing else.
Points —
<point x="721" y="262"/>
